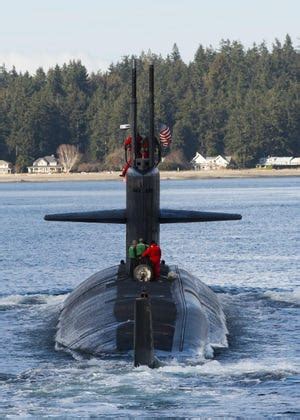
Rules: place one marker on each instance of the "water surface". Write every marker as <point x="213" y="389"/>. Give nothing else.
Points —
<point x="252" y="264"/>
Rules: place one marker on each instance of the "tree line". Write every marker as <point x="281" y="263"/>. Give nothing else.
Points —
<point x="230" y="100"/>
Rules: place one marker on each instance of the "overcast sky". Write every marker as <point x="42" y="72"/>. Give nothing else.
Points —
<point x="45" y="32"/>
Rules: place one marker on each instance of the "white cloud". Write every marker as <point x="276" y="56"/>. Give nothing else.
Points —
<point x="25" y="62"/>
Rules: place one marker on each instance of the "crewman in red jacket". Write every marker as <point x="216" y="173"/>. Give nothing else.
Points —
<point x="141" y="152"/>
<point x="127" y="146"/>
<point x="143" y="147"/>
<point x="154" y="254"/>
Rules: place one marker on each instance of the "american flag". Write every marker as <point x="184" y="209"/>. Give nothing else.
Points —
<point x="165" y="135"/>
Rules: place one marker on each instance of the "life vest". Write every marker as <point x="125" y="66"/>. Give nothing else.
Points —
<point x="127" y="143"/>
<point x="144" y="148"/>
<point x="140" y="248"/>
<point x="153" y="252"/>
<point x="132" y="251"/>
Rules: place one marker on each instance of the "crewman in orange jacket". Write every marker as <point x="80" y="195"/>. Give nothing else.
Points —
<point x="154" y="254"/>
<point x="127" y="146"/>
<point x="141" y="152"/>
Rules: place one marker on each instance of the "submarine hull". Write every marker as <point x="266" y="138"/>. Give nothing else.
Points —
<point x="98" y="316"/>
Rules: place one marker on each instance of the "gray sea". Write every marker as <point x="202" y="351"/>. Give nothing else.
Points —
<point x="253" y="265"/>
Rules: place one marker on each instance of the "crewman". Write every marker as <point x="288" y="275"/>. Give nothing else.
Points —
<point x="143" y="147"/>
<point x="154" y="254"/>
<point x="140" y="248"/>
<point x="132" y="257"/>
<point x="142" y="151"/>
<point x="127" y="147"/>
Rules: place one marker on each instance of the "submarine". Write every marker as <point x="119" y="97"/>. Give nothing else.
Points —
<point x="116" y="313"/>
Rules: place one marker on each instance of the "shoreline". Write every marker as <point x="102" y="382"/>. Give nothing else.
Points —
<point x="164" y="175"/>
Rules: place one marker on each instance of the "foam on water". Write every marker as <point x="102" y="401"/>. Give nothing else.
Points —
<point x="113" y="387"/>
<point x="13" y="301"/>
<point x="243" y="368"/>
<point x="291" y="296"/>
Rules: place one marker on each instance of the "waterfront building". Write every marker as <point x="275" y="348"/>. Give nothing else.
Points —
<point x="5" y="167"/>
<point x="279" y="162"/>
<point x="45" y="165"/>
<point x="199" y="162"/>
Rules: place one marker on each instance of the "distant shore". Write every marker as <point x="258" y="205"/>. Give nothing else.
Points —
<point x="113" y="176"/>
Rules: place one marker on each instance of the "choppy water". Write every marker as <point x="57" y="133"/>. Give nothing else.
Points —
<point x="253" y="265"/>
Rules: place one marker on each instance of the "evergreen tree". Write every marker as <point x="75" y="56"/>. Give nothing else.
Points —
<point x="237" y="101"/>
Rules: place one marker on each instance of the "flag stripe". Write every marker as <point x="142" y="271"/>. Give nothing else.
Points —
<point x="165" y="136"/>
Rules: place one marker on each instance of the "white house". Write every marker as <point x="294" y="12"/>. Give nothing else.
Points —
<point x="5" y="167"/>
<point x="295" y="162"/>
<point x="199" y="162"/>
<point x="45" y="165"/>
<point x="222" y="162"/>
<point x="279" y="161"/>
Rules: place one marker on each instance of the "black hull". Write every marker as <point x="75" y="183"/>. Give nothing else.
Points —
<point x="97" y="317"/>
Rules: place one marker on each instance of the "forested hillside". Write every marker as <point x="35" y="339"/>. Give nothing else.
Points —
<point x="232" y="101"/>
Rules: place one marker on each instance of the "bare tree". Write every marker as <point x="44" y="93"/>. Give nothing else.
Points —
<point x="68" y="155"/>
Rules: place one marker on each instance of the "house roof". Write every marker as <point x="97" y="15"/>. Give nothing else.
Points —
<point x="198" y="158"/>
<point x="48" y="159"/>
<point x="279" y="160"/>
<point x="4" y="162"/>
<point x="220" y="157"/>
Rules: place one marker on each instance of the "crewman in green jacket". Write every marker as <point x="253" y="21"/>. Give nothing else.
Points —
<point x="140" y="248"/>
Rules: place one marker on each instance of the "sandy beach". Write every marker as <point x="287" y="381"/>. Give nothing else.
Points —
<point x="165" y="175"/>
